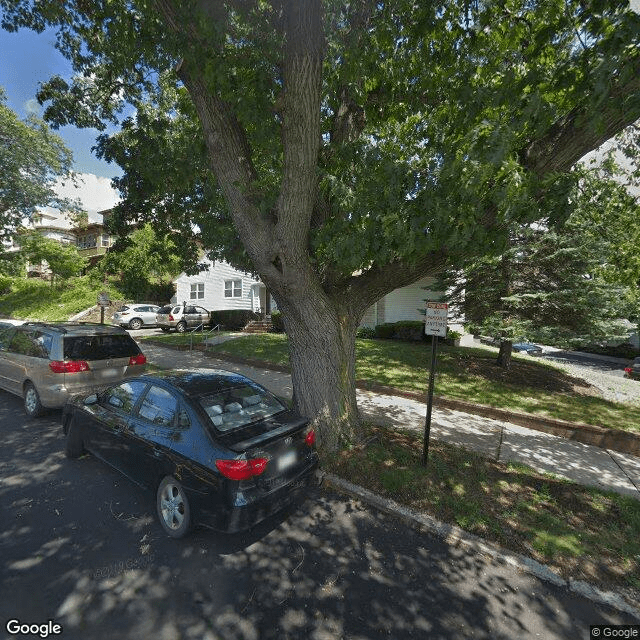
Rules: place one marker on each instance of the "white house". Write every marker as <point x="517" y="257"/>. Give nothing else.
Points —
<point x="221" y="286"/>
<point x="405" y="303"/>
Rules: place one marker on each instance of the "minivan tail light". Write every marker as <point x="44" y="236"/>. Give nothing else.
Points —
<point x="628" y="369"/>
<point x="73" y="366"/>
<point x="139" y="359"/>
<point x="310" y="439"/>
<point x="241" y="469"/>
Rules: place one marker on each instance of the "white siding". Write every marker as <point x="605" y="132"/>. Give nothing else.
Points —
<point x="405" y="303"/>
<point x="214" y="280"/>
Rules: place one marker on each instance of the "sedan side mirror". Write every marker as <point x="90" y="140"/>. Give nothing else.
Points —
<point x="183" y="420"/>
<point x="92" y="399"/>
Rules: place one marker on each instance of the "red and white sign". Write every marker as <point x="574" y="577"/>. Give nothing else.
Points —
<point x="435" y="321"/>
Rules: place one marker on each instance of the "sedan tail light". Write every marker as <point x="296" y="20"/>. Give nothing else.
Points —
<point x="73" y="366"/>
<point x="139" y="359"/>
<point x="241" y="469"/>
<point x="310" y="439"/>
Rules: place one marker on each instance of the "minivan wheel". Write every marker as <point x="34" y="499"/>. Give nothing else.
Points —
<point x="73" y="447"/>
<point x="135" y="323"/>
<point x="173" y="508"/>
<point x="181" y="327"/>
<point x="32" y="405"/>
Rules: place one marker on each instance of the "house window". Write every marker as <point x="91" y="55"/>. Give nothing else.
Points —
<point x="105" y="240"/>
<point x="197" y="291"/>
<point x="233" y="288"/>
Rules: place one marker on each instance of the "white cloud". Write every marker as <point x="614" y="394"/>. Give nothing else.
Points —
<point x="32" y="107"/>
<point x="95" y="193"/>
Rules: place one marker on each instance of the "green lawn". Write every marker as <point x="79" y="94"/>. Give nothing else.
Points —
<point x="531" y="385"/>
<point x="581" y="532"/>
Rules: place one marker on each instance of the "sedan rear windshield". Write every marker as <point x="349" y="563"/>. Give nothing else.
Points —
<point x="101" y="347"/>
<point x="239" y="406"/>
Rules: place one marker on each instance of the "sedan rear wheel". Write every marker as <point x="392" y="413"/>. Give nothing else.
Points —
<point x="32" y="404"/>
<point x="135" y="323"/>
<point x="173" y="508"/>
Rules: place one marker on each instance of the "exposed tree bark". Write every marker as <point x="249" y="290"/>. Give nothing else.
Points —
<point x="321" y="312"/>
<point x="504" y="355"/>
<point x="575" y="135"/>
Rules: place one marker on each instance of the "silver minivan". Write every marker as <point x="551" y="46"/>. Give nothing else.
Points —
<point x="46" y="363"/>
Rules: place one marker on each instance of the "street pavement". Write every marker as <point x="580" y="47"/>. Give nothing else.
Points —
<point x="82" y="548"/>
<point x="585" y="464"/>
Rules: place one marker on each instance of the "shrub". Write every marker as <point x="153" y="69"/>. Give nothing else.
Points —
<point x="233" y="319"/>
<point x="5" y="285"/>
<point x="409" y="330"/>
<point x="452" y="336"/>
<point x="366" y="332"/>
<point x="277" y="324"/>
<point x="385" y="331"/>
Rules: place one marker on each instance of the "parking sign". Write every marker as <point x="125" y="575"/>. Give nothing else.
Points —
<point x="435" y="321"/>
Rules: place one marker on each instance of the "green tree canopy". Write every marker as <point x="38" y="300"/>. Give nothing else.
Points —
<point x="145" y="262"/>
<point x="63" y="260"/>
<point x="32" y="158"/>
<point x="355" y="147"/>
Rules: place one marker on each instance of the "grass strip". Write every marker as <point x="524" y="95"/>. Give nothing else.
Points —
<point x="582" y="533"/>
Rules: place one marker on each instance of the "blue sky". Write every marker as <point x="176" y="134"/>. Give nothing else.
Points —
<point x="28" y="59"/>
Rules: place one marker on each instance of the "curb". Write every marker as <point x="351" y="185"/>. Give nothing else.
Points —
<point x="615" y="440"/>
<point x="451" y="534"/>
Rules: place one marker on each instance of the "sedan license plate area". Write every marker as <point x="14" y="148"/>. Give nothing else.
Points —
<point x="286" y="461"/>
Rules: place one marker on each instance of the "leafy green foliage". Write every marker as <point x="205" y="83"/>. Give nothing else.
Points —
<point x="32" y="159"/>
<point x="33" y="298"/>
<point x="145" y="262"/>
<point x="63" y="260"/>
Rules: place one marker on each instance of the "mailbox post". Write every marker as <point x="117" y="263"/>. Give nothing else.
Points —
<point x="435" y="325"/>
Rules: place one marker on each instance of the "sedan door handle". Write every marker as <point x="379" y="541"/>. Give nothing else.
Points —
<point x="157" y="453"/>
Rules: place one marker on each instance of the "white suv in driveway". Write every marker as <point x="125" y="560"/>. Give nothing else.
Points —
<point x="135" y="316"/>
<point x="182" y="317"/>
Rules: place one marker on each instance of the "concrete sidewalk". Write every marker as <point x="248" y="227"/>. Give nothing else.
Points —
<point x="584" y="464"/>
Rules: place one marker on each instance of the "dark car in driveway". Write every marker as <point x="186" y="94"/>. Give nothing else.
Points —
<point x="217" y="448"/>
<point x="524" y="346"/>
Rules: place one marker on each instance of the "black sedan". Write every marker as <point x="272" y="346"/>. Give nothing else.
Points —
<point x="217" y="448"/>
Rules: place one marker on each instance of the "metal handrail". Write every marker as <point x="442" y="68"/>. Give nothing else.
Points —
<point x="207" y="333"/>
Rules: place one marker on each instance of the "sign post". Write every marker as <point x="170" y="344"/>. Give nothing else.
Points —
<point x="103" y="301"/>
<point x="435" y="325"/>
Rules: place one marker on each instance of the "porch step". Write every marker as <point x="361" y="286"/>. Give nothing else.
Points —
<point x="258" y="326"/>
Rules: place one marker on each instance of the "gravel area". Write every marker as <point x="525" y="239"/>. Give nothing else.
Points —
<point x="613" y="387"/>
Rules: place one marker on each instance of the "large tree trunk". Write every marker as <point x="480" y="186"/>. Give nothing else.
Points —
<point x="322" y="352"/>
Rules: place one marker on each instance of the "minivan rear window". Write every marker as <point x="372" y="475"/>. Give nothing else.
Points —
<point x="166" y="309"/>
<point x="99" y="347"/>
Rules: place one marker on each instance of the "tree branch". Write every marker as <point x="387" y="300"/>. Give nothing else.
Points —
<point x="575" y="135"/>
